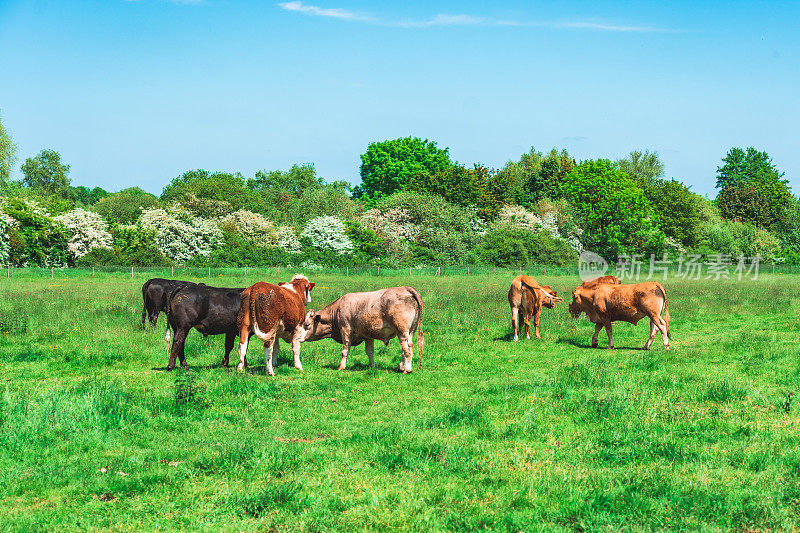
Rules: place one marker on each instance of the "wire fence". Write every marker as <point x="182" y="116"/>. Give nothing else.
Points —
<point x="277" y="272"/>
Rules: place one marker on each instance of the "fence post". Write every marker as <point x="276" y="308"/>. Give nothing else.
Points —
<point x="131" y="272"/>
<point x="409" y="272"/>
<point x="51" y="272"/>
<point x="92" y="271"/>
<point x="173" y="272"/>
<point x="245" y="270"/>
<point x="347" y="271"/>
<point x="379" y="270"/>
<point x="209" y="272"/>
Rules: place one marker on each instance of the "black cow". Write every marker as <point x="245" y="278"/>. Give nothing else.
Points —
<point x="210" y="310"/>
<point x="154" y="294"/>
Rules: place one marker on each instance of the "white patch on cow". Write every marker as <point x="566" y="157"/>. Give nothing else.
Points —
<point x="166" y="336"/>
<point x="287" y="286"/>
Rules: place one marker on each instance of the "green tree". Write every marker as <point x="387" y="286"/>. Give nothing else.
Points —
<point x="388" y="167"/>
<point x="296" y="180"/>
<point x="616" y="216"/>
<point x="88" y="196"/>
<point x="45" y="173"/>
<point x="679" y="210"/>
<point x="125" y="206"/>
<point x="645" y="167"/>
<point x="467" y="187"/>
<point x="8" y="154"/>
<point x="752" y="189"/>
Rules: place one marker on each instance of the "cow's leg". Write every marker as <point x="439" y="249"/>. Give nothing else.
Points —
<point x="653" y="329"/>
<point x="296" y="340"/>
<point x="597" y="328"/>
<point x="527" y="321"/>
<point x="536" y="316"/>
<point x="408" y="354"/>
<point x="178" y="342"/>
<point x="276" y="351"/>
<point x="515" y="321"/>
<point x="345" y="353"/>
<point x="662" y="325"/>
<point x="607" y="325"/>
<point x="229" y="338"/>
<point x="144" y="315"/>
<point x="269" y="351"/>
<point x="243" y="338"/>
<point x="369" y="346"/>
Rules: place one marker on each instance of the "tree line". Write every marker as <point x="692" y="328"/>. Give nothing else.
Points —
<point x="415" y="205"/>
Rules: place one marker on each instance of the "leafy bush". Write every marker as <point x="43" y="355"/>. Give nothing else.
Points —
<point x="511" y="246"/>
<point x="88" y="231"/>
<point x="250" y="226"/>
<point x="125" y="206"/>
<point x="33" y="237"/>
<point x="238" y="252"/>
<point x="737" y="238"/>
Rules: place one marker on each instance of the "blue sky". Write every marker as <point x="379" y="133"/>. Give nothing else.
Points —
<point x="136" y="92"/>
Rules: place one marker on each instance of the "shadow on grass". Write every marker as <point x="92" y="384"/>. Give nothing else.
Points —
<point x="577" y="344"/>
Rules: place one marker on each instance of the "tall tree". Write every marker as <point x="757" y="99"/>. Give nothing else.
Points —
<point x="8" y="154"/>
<point x="46" y="173"/>
<point x="645" y="167"/>
<point x="752" y="189"/>
<point x="467" y="187"/>
<point x="387" y="167"/>
<point x="295" y="180"/>
<point x="616" y="216"/>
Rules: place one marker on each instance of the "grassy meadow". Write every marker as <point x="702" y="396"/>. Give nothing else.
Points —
<point x="490" y="434"/>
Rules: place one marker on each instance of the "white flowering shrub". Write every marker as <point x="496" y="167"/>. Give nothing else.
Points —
<point x="251" y="226"/>
<point x="393" y="225"/>
<point x="328" y="233"/>
<point x="550" y="220"/>
<point x="5" y="247"/>
<point x="179" y="236"/>
<point x="87" y="230"/>
<point x="288" y="240"/>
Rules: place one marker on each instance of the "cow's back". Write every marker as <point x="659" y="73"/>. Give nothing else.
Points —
<point x="374" y="314"/>
<point x="624" y="302"/>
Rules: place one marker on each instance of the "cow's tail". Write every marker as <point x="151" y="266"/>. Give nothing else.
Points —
<point x="666" y="309"/>
<point x="420" y="335"/>
<point x="170" y="295"/>
<point x="254" y="316"/>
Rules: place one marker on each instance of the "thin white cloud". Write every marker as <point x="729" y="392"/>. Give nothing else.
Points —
<point x="337" y="13"/>
<point x="299" y="6"/>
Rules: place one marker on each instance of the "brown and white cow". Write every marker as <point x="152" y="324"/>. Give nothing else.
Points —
<point x="274" y="312"/>
<point x="527" y="296"/>
<point x="607" y="303"/>
<point x="369" y="316"/>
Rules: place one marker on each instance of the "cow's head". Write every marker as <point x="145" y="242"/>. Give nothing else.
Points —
<point x="302" y="286"/>
<point x="549" y="298"/>
<point x="313" y="327"/>
<point x="576" y="307"/>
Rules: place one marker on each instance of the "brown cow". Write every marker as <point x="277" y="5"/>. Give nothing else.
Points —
<point x="274" y="312"/>
<point x="526" y="295"/>
<point x="608" y="280"/>
<point x="606" y="303"/>
<point x="369" y="316"/>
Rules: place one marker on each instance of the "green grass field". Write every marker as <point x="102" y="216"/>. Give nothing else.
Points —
<point x="490" y="434"/>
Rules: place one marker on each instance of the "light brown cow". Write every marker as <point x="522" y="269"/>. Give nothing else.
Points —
<point x="608" y="280"/>
<point x="528" y="297"/>
<point x="274" y="312"/>
<point x="607" y="303"/>
<point x="369" y="316"/>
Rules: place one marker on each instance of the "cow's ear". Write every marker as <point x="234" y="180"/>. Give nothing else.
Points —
<point x="317" y="318"/>
<point x="310" y="314"/>
<point x="310" y="286"/>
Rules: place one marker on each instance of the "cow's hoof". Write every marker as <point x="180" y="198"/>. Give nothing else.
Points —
<point x="300" y="368"/>
<point x="516" y="339"/>
<point x="666" y="347"/>
<point x="240" y="369"/>
<point x="271" y="373"/>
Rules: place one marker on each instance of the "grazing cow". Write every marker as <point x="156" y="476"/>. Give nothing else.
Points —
<point x="528" y="297"/>
<point x="154" y="294"/>
<point x="210" y="310"/>
<point x="369" y="316"/>
<point x="607" y="280"/>
<point x="273" y="312"/>
<point x="607" y="303"/>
